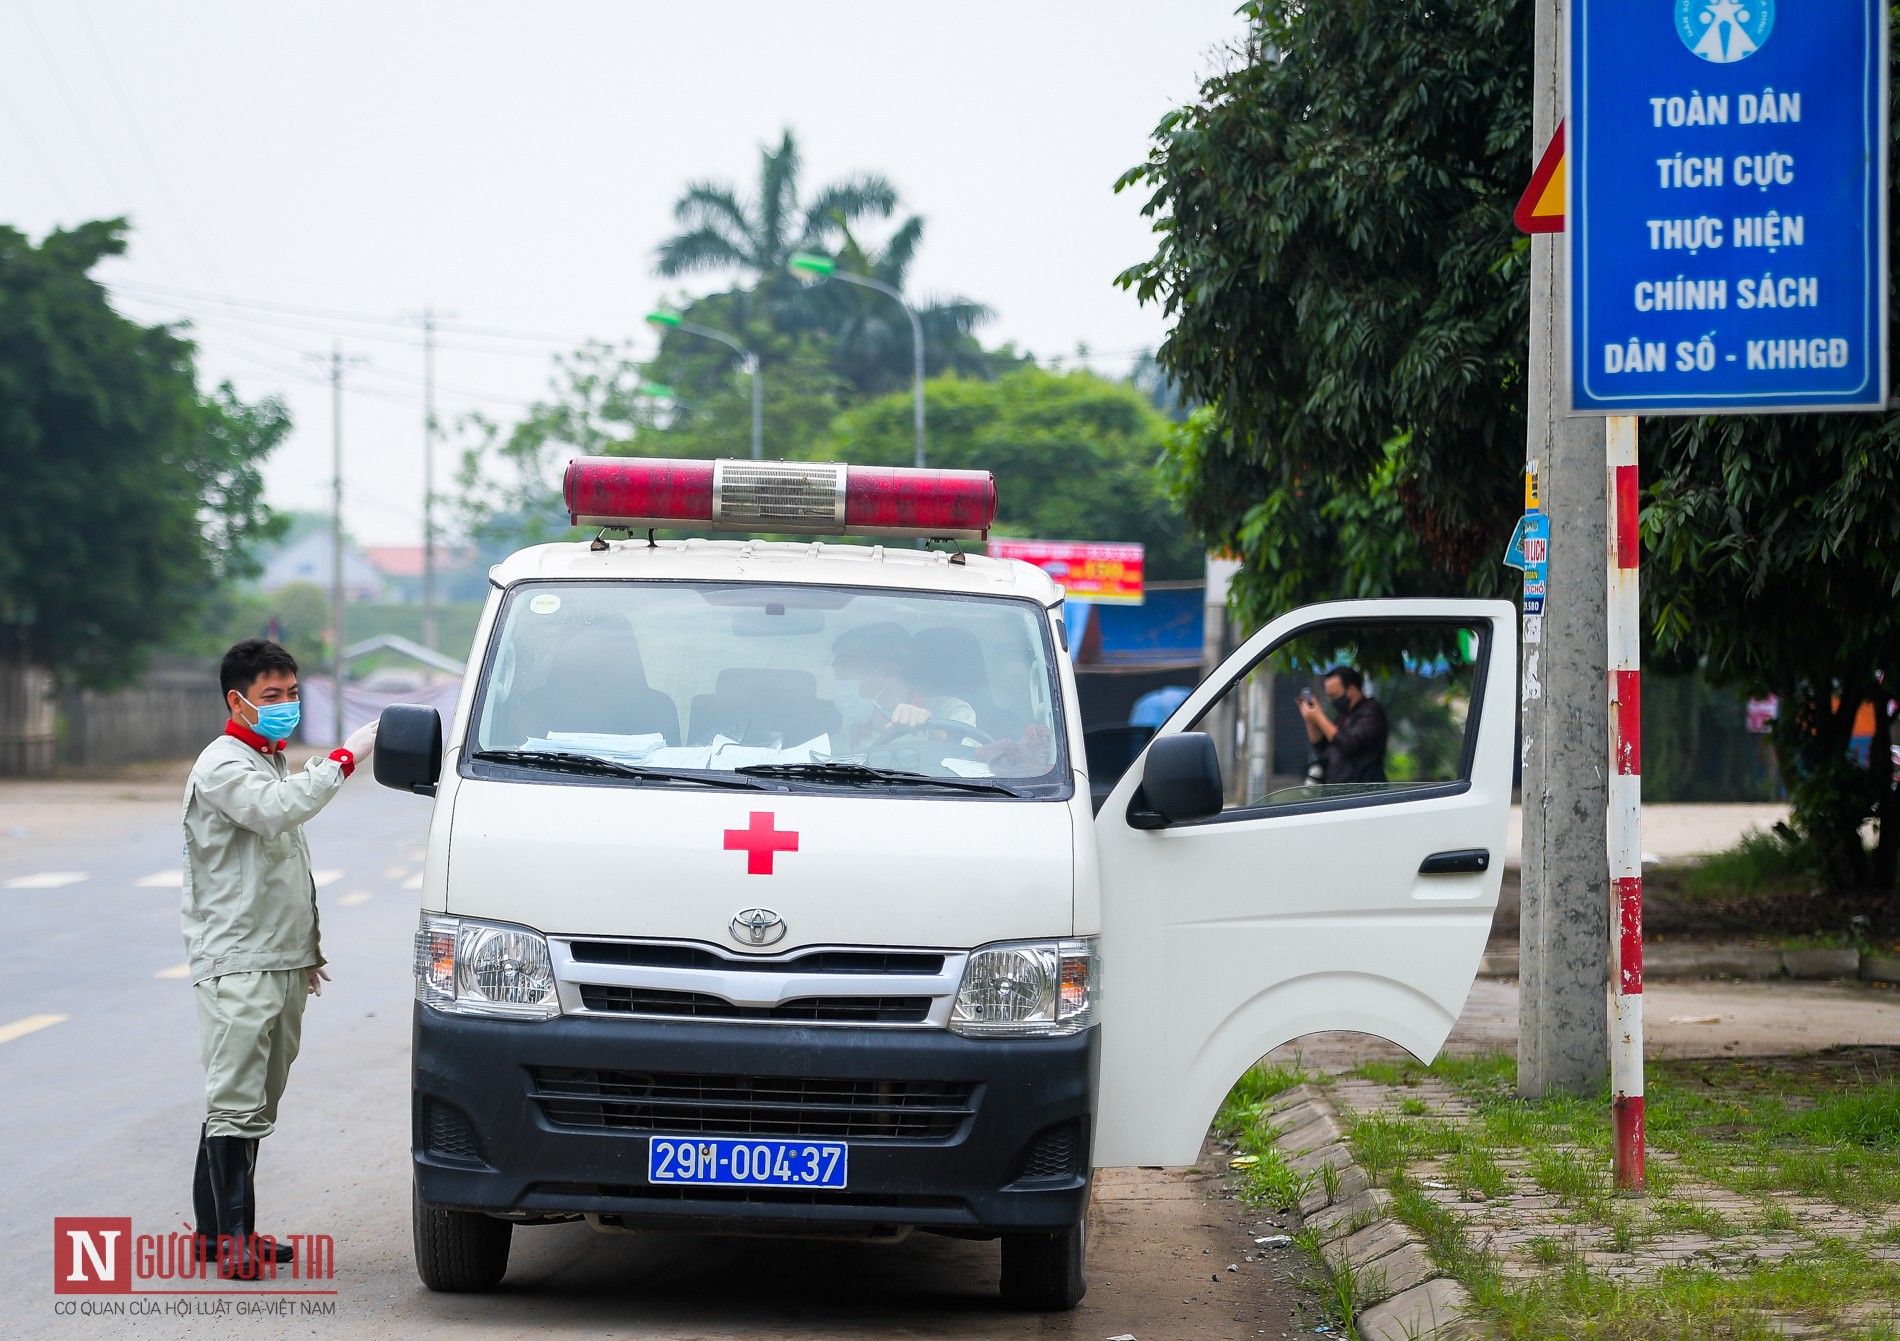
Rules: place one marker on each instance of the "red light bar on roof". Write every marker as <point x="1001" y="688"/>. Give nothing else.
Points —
<point x="801" y="497"/>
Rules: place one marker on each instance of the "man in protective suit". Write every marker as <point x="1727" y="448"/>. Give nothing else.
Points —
<point x="250" y="920"/>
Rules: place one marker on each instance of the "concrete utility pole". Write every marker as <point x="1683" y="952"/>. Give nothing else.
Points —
<point x="337" y="363"/>
<point x="1564" y="936"/>
<point x="427" y="319"/>
<point x="428" y="478"/>
<point x="336" y="540"/>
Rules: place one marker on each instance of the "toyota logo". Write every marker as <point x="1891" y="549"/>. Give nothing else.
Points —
<point x="757" y="926"/>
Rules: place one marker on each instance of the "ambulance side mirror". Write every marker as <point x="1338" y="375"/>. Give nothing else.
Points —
<point x="1180" y="781"/>
<point x="408" y="752"/>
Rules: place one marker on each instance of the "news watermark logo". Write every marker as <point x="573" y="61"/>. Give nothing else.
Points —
<point x="102" y="1255"/>
<point x="92" y="1255"/>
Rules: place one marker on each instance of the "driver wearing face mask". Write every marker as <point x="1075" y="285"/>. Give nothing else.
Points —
<point x="876" y="696"/>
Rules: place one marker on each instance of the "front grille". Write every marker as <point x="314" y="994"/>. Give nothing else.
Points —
<point x="818" y="961"/>
<point x="826" y="1009"/>
<point x="783" y="1106"/>
<point x="1053" y="1153"/>
<point x="448" y="1134"/>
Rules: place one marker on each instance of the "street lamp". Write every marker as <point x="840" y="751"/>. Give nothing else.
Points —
<point x="825" y="268"/>
<point x="672" y="321"/>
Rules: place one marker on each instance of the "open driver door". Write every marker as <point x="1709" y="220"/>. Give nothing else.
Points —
<point x="1240" y="912"/>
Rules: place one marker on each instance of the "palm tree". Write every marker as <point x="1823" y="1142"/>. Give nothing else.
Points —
<point x="721" y="231"/>
<point x="871" y="337"/>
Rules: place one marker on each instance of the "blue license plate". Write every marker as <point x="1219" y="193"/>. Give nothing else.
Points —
<point x="712" y="1161"/>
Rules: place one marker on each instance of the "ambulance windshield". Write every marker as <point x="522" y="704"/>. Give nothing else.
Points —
<point x="717" y="676"/>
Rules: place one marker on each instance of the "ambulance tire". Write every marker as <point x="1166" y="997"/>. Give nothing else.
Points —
<point x="1046" y="1273"/>
<point x="459" y="1252"/>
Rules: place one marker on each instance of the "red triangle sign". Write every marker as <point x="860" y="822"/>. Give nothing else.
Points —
<point x="1541" y="209"/>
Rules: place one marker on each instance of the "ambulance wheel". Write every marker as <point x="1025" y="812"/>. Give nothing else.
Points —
<point x="459" y="1252"/>
<point x="1046" y="1273"/>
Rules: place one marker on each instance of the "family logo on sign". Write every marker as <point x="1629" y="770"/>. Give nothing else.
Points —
<point x="1724" y="31"/>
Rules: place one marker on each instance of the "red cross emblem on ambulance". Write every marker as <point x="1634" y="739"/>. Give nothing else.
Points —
<point x="761" y="840"/>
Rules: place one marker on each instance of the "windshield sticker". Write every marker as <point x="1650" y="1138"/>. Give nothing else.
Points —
<point x="545" y="604"/>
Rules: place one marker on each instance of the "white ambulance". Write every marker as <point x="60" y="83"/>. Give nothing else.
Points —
<point x="764" y="894"/>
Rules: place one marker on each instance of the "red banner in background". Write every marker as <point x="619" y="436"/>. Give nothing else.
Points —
<point x="1087" y="570"/>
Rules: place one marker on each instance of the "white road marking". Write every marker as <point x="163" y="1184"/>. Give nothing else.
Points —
<point x="395" y="872"/>
<point x="172" y="879"/>
<point x="175" y="971"/>
<point x="322" y="878"/>
<point x="413" y="882"/>
<point x="47" y="880"/>
<point x="30" y="1025"/>
<point x="354" y="898"/>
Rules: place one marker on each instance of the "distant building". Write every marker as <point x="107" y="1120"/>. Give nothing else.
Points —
<point x="400" y="567"/>
<point x="306" y="558"/>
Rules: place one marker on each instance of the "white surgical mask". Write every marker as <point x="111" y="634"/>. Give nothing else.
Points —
<point x="852" y="705"/>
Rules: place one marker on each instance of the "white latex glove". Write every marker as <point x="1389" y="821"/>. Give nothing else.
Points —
<point x="361" y="741"/>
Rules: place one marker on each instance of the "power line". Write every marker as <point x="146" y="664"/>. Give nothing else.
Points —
<point x="460" y="393"/>
<point x="23" y="128"/>
<point x="138" y="139"/>
<point x="357" y="318"/>
<point x="303" y="377"/>
<point x="72" y="108"/>
<point x="195" y="308"/>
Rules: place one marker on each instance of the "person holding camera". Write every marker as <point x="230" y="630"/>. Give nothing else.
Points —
<point x="1350" y="748"/>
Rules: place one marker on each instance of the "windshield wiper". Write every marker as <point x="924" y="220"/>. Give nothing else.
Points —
<point x="838" y="771"/>
<point x="559" y="761"/>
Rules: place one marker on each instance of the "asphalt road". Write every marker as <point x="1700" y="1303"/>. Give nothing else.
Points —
<point x="98" y="1057"/>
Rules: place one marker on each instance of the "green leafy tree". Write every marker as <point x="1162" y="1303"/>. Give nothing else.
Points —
<point x="1774" y="557"/>
<point x="508" y="484"/>
<point x="130" y="497"/>
<point x="710" y="414"/>
<point x="870" y="336"/>
<point x="1348" y="296"/>
<point x="1351" y="314"/>
<point x="1073" y="453"/>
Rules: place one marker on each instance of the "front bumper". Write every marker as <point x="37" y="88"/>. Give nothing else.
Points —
<point x="496" y="1126"/>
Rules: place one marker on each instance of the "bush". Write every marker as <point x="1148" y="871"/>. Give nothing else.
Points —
<point x="1761" y="862"/>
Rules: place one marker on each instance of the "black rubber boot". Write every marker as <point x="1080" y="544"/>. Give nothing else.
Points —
<point x="229" y="1158"/>
<point x="204" y="1211"/>
<point x="276" y="1249"/>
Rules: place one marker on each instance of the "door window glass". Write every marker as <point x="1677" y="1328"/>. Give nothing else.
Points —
<point x="1366" y="711"/>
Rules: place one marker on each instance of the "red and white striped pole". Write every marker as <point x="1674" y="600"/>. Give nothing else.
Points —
<point x="1625" y="827"/>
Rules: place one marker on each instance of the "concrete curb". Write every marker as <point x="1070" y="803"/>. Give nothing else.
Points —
<point x="1692" y="960"/>
<point x="1404" y="1296"/>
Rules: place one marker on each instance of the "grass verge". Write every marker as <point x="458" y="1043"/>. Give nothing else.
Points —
<point x="1774" y="1195"/>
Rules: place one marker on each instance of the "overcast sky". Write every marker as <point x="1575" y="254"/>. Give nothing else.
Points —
<point x="515" y="164"/>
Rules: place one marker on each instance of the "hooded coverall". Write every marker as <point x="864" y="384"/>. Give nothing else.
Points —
<point x="250" y="918"/>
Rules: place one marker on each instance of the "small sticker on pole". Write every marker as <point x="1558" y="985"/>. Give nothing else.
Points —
<point x="1529" y="550"/>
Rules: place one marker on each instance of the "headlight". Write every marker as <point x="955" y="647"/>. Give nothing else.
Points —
<point x="484" y="968"/>
<point x="1028" y="988"/>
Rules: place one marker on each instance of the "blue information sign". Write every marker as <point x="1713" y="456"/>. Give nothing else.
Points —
<point x="1727" y="211"/>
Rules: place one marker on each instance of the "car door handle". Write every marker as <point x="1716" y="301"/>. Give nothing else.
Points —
<point x="1465" y="861"/>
